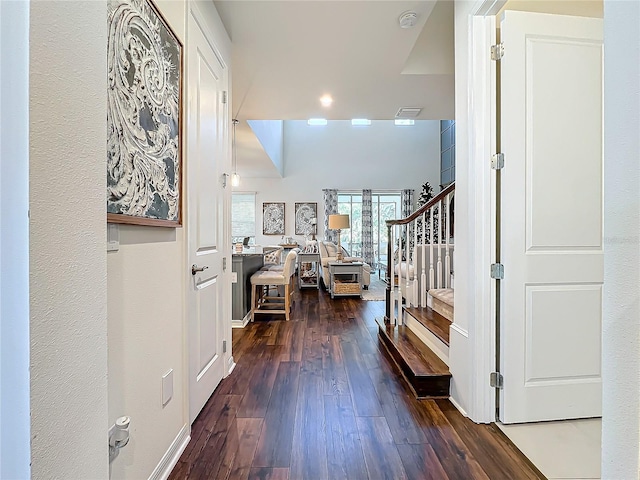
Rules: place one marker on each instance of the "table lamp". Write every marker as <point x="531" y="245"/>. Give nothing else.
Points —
<point x="338" y="222"/>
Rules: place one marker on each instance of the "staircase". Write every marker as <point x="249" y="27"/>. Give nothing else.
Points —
<point x="419" y="310"/>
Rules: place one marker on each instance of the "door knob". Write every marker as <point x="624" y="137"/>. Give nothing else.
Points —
<point x="195" y="269"/>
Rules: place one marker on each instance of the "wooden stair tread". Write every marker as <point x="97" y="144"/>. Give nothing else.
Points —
<point x="426" y="374"/>
<point x="431" y="320"/>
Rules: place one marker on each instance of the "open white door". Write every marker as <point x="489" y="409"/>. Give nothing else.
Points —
<point x="552" y="217"/>
<point x="206" y="133"/>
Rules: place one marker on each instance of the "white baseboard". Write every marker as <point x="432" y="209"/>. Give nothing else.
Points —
<point x="460" y="409"/>
<point x="241" y="323"/>
<point x="436" y="345"/>
<point x="172" y="456"/>
<point x="232" y="365"/>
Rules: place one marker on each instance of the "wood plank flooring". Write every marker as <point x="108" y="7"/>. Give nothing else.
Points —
<point x="316" y="398"/>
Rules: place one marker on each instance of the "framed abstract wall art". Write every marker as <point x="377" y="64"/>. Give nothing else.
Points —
<point x="305" y="212"/>
<point x="273" y="218"/>
<point x="144" y="116"/>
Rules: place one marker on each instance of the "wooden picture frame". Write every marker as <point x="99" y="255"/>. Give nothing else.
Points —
<point x="145" y="84"/>
<point x="273" y="218"/>
<point x="304" y="212"/>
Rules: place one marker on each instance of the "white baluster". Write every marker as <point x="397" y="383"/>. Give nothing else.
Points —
<point x="439" y="268"/>
<point x="414" y="283"/>
<point x="407" y="262"/>
<point x="431" y="271"/>
<point x="400" y="275"/>
<point x="447" y="258"/>
<point x="392" y="273"/>
<point x="423" y="275"/>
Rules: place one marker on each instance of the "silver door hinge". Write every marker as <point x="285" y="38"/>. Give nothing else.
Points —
<point x="496" y="380"/>
<point x="224" y="96"/>
<point x="224" y="264"/>
<point x="224" y="346"/>
<point x="497" y="161"/>
<point x="497" y="271"/>
<point x="497" y="51"/>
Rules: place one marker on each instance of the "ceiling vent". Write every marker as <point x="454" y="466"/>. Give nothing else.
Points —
<point x="408" y="112"/>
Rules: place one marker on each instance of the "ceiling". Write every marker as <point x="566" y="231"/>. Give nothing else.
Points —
<point x="287" y="54"/>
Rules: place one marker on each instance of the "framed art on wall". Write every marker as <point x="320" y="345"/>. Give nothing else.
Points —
<point x="305" y="213"/>
<point x="144" y="116"/>
<point x="273" y="218"/>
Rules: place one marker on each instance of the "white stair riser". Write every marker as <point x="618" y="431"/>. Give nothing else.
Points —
<point x="436" y="345"/>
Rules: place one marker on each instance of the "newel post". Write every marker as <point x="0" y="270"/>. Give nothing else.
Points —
<point x="387" y="309"/>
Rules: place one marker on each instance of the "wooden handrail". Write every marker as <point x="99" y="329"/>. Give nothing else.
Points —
<point x="424" y="208"/>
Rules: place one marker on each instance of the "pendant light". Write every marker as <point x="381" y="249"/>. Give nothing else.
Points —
<point x="235" y="178"/>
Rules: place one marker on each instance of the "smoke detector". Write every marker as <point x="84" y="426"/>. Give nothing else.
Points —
<point x="408" y="19"/>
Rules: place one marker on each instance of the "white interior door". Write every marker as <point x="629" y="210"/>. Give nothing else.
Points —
<point x="206" y="133"/>
<point x="552" y="217"/>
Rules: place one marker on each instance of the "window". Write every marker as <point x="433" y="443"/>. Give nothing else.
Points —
<point x="351" y="238"/>
<point x="243" y="215"/>
<point x="385" y="206"/>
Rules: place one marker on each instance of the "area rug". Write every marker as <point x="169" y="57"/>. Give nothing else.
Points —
<point x="376" y="289"/>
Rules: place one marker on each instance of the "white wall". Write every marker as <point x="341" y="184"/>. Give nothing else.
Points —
<point x="146" y="329"/>
<point x="270" y="135"/>
<point x="146" y="306"/>
<point x="621" y="320"/>
<point x="14" y="241"/>
<point x="68" y="263"/>
<point x="460" y="354"/>
<point x="381" y="157"/>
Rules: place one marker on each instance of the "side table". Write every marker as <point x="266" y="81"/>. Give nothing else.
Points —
<point x="345" y="279"/>
<point x="308" y="270"/>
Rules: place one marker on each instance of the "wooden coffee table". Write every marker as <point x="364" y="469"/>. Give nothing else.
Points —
<point x="345" y="279"/>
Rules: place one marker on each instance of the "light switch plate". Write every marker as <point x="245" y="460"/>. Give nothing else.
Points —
<point x="167" y="387"/>
<point x="234" y="277"/>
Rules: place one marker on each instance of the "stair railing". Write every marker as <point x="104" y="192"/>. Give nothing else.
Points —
<point x="427" y="231"/>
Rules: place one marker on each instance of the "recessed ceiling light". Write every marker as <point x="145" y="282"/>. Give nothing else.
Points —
<point x="360" y="122"/>
<point x="317" y="121"/>
<point x="404" y="121"/>
<point x="326" y="100"/>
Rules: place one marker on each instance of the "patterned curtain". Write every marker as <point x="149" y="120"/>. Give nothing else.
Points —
<point x="407" y="202"/>
<point x="367" y="228"/>
<point x="407" y="209"/>
<point x="330" y="208"/>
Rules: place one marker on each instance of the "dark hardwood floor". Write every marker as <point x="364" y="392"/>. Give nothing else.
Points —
<point x="316" y="398"/>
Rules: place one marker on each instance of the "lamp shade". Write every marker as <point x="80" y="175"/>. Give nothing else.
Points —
<point x="338" y="222"/>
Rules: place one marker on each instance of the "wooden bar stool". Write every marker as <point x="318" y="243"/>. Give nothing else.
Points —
<point x="261" y="301"/>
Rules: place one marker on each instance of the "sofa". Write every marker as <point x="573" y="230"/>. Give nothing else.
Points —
<point x="329" y="252"/>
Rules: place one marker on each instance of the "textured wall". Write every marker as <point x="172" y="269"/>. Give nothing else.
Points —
<point x="621" y="319"/>
<point x="67" y="240"/>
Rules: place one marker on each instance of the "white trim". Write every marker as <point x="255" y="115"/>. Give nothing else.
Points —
<point x="241" y="323"/>
<point x="460" y="409"/>
<point x="427" y="337"/>
<point x="171" y="457"/>
<point x="459" y="330"/>
<point x="232" y="366"/>
<point x="482" y="134"/>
